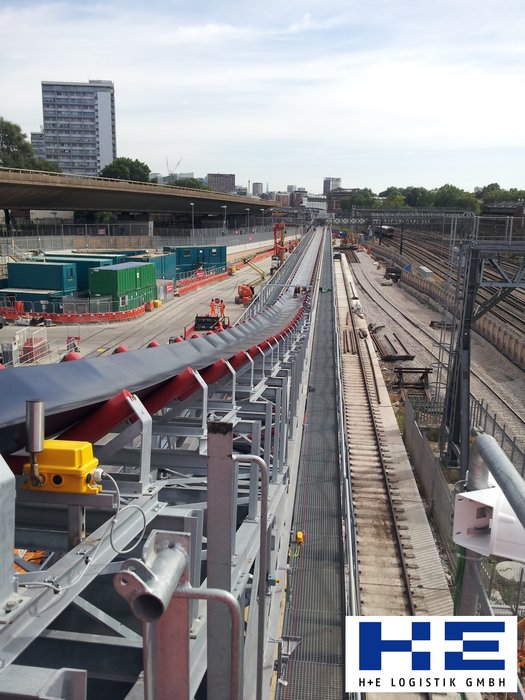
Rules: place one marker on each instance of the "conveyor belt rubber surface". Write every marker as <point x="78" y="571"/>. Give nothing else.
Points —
<point x="315" y="610"/>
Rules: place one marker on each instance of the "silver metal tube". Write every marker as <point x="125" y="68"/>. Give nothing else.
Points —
<point x="231" y="602"/>
<point x="503" y="471"/>
<point x="35" y="426"/>
<point x="265" y="480"/>
<point x="168" y="567"/>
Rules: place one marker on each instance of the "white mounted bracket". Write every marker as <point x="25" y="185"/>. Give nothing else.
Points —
<point x="484" y="522"/>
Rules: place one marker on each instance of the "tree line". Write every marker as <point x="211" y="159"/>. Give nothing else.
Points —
<point x="448" y="196"/>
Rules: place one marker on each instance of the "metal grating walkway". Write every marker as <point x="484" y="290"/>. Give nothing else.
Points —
<point x="315" y="607"/>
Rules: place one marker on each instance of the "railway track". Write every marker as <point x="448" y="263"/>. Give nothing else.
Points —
<point x="434" y="249"/>
<point x="482" y="388"/>
<point x="384" y="582"/>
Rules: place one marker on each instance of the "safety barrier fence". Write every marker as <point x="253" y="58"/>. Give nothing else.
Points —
<point x="481" y="418"/>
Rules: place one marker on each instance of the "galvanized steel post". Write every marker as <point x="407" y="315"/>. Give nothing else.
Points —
<point x="265" y="479"/>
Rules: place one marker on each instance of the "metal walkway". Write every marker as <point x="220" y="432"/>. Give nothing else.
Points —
<point x="315" y="608"/>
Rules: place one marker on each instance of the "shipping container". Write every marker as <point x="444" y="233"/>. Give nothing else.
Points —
<point x="165" y="264"/>
<point x="83" y="265"/>
<point x="130" y="299"/>
<point x="190" y="258"/>
<point x="42" y="275"/>
<point x="214" y="256"/>
<point x="114" y="258"/>
<point x="116" y="280"/>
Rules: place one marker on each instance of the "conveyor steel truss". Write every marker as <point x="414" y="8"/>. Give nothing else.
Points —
<point x="190" y="449"/>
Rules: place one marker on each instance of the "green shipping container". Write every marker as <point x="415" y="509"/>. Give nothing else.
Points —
<point x="131" y="299"/>
<point x="117" y="280"/>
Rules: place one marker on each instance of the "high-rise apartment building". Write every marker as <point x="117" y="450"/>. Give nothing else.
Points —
<point x="221" y="182"/>
<point x="79" y="126"/>
<point x="331" y="183"/>
<point x="257" y="189"/>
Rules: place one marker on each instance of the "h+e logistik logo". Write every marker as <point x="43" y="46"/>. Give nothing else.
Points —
<point x="434" y="654"/>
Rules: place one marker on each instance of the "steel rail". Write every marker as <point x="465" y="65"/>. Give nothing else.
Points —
<point x="380" y="457"/>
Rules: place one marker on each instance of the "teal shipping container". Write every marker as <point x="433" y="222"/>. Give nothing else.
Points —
<point x="165" y="264"/>
<point x="83" y="266"/>
<point x="117" y="280"/>
<point x="114" y="258"/>
<point x="190" y="258"/>
<point x="42" y="275"/>
<point x="214" y="256"/>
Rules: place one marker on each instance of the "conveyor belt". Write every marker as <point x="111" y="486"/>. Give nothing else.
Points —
<point x="71" y="390"/>
<point x="315" y="610"/>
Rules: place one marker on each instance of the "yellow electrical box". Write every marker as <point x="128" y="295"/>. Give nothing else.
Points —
<point x="65" y="466"/>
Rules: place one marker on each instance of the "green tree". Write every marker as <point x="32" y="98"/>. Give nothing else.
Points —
<point x="191" y="182"/>
<point x="418" y="197"/>
<point x="393" y="198"/>
<point x="127" y="169"/>
<point x="17" y="152"/>
<point x="364" y="198"/>
<point x="450" y="196"/>
<point x="488" y="192"/>
<point x="15" y="149"/>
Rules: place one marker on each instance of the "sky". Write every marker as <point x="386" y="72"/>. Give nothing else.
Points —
<point x="375" y="92"/>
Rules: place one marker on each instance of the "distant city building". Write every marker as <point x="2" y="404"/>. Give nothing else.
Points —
<point x="283" y="198"/>
<point x="257" y="189"/>
<point x="79" y="126"/>
<point x="335" y="197"/>
<point x="291" y="188"/>
<point x="316" y="204"/>
<point x="331" y="183"/>
<point x="221" y="182"/>
<point x="296" y="198"/>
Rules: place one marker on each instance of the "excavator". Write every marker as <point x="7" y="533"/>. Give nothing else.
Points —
<point x="246" y="291"/>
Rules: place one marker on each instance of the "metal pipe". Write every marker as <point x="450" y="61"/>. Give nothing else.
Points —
<point x="503" y="471"/>
<point x="231" y="601"/>
<point x="35" y="427"/>
<point x="168" y="567"/>
<point x="265" y="481"/>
